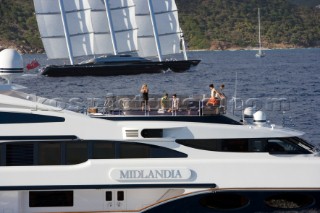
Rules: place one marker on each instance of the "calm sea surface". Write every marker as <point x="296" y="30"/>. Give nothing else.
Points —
<point x="290" y="75"/>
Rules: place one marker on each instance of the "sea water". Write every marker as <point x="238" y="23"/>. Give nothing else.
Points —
<point x="291" y="77"/>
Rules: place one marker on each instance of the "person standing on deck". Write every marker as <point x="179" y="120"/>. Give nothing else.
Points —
<point x="145" y="97"/>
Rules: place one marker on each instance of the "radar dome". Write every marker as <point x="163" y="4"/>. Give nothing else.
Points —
<point x="259" y="117"/>
<point x="11" y="64"/>
<point x="248" y="112"/>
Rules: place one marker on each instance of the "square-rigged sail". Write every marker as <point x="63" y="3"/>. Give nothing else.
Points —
<point x="165" y="14"/>
<point x="73" y="28"/>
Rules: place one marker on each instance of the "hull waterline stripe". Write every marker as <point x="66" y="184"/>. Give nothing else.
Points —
<point x="38" y="137"/>
<point x="120" y="186"/>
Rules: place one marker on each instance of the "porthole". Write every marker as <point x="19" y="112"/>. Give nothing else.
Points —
<point x="289" y="201"/>
<point x="224" y="201"/>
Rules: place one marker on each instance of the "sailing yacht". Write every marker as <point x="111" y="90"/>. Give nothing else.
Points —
<point x="55" y="160"/>
<point x="259" y="54"/>
<point x="107" y="31"/>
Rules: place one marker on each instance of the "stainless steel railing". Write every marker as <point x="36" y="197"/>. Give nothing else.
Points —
<point x="134" y="105"/>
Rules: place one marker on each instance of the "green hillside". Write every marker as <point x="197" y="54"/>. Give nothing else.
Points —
<point x="18" y="24"/>
<point x="308" y="3"/>
<point x="231" y="23"/>
<point x="215" y="24"/>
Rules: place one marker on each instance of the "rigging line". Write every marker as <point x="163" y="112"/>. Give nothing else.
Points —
<point x="66" y="31"/>
<point x="157" y="13"/>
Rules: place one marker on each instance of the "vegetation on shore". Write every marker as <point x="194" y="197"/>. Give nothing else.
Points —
<point x="207" y="24"/>
<point x="223" y="24"/>
<point x="18" y="26"/>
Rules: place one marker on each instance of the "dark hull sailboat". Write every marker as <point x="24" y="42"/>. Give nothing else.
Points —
<point x="112" y="66"/>
<point x="112" y="28"/>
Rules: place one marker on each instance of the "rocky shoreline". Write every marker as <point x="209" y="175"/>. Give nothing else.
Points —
<point x="22" y="49"/>
<point x="215" y="45"/>
<point x="221" y="45"/>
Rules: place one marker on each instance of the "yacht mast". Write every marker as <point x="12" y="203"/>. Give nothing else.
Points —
<point x="66" y="31"/>
<point x="155" y="29"/>
<point x="111" y="28"/>
<point x="259" y="31"/>
<point x="183" y="43"/>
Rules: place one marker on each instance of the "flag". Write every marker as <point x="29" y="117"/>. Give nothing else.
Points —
<point x="33" y="64"/>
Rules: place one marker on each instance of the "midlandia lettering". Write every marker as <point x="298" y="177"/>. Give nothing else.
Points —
<point x="150" y="174"/>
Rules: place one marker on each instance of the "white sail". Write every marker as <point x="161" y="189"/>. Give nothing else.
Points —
<point x="168" y="29"/>
<point x="87" y="27"/>
<point x="124" y="26"/>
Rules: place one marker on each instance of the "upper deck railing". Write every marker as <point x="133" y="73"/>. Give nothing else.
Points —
<point x="127" y="105"/>
<point x="135" y="105"/>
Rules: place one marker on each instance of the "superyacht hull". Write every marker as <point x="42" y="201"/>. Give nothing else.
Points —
<point x="175" y="199"/>
<point x="58" y="165"/>
<point x="61" y="194"/>
<point x="55" y="160"/>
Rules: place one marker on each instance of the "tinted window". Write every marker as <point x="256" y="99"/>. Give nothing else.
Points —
<point x="50" y="198"/>
<point x="205" y="144"/>
<point x="257" y="145"/>
<point x="235" y="145"/>
<point x="161" y="152"/>
<point x="103" y="150"/>
<point x="49" y="153"/>
<point x="275" y="145"/>
<point x="134" y="150"/>
<point x="285" y="146"/>
<point x="19" y="154"/>
<point x="76" y="152"/>
<point x="222" y="145"/>
<point x="227" y="145"/>
<point x="108" y="195"/>
<point x="0" y="154"/>
<point x="120" y="195"/>
<point x="152" y="133"/>
<point x="13" y="117"/>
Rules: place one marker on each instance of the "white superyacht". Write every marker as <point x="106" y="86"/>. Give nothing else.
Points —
<point x="55" y="160"/>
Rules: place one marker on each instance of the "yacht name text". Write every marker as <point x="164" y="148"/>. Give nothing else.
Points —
<point x="151" y="174"/>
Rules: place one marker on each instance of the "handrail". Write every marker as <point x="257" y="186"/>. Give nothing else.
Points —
<point x="187" y="105"/>
<point x="121" y="105"/>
